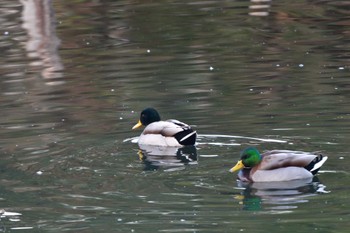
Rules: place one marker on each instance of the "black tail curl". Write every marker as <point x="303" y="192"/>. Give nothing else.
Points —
<point x="311" y="166"/>
<point x="186" y="137"/>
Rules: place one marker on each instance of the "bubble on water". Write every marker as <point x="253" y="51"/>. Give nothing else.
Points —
<point x="301" y="65"/>
<point x="148" y="50"/>
<point x="341" y="68"/>
<point x="39" y="173"/>
<point x="6" y="33"/>
<point x="211" y="68"/>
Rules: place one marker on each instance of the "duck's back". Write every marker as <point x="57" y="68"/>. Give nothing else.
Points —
<point x="166" y="128"/>
<point x="168" y="133"/>
<point x="285" y="158"/>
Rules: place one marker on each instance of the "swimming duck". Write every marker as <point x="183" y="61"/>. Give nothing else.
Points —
<point x="277" y="165"/>
<point x="164" y="133"/>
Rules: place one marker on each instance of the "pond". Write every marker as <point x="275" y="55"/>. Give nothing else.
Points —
<point x="75" y="76"/>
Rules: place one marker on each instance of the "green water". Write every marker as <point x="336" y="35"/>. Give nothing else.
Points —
<point x="76" y="74"/>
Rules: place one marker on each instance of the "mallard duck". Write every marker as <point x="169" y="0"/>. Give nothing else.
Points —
<point x="164" y="133"/>
<point x="277" y="165"/>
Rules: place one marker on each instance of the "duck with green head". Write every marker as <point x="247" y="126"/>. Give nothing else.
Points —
<point x="164" y="133"/>
<point x="277" y="165"/>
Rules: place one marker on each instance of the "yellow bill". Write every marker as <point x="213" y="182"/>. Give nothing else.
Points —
<point x="238" y="166"/>
<point x="139" y="124"/>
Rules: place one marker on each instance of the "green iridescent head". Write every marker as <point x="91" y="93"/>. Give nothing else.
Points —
<point x="250" y="157"/>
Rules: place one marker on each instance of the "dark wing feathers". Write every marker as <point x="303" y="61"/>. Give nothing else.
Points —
<point x="186" y="136"/>
<point x="316" y="163"/>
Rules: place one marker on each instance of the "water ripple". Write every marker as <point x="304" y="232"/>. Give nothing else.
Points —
<point x="232" y="140"/>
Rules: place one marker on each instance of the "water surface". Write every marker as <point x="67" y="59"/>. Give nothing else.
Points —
<point x="76" y="74"/>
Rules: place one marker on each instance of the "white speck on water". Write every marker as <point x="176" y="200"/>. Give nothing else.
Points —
<point x="39" y="173"/>
<point x="112" y="90"/>
<point x="10" y="214"/>
<point x="211" y="68"/>
<point x="148" y="50"/>
<point x="341" y="157"/>
<point x="62" y="119"/>
<point x="87" y="43"/>
<point x="6" y="33"/>
<point x="308" y="124"/>
<point x="120" y="118"/>
<point x="22" y="228"/>
<point x="119" y="219"/>
<point x="15" y="219"/>
<point x="301" y="65"/>
<point x="208" y="156"/>
<point x="341" y="68"/>
<point x="278" y="65"/>
<point x="182" y="220"/>
<point x="251" y="89"/>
